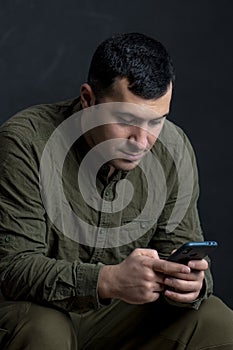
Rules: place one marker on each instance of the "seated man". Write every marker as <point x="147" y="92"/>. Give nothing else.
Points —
<point x="96" y="192"/>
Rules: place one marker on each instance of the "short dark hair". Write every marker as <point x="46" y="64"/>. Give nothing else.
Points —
<point x="144" y="61"/>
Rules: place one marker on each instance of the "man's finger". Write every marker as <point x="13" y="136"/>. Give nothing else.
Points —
<point x="200" y="265"/>
<point x="151" y="253"/>
<point x="169" y="268"/>
<point x="179" y="297"/>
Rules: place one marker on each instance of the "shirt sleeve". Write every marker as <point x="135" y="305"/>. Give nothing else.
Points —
<point x="27" y="272"/>
<point x="179" y="221"/>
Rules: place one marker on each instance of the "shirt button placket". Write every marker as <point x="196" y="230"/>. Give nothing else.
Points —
<point x="103" y="230"/>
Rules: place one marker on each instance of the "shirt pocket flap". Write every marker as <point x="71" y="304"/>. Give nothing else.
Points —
<point x="138" y="229"/>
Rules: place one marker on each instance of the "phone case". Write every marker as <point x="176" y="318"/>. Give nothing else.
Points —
<point x="193" y="251"/>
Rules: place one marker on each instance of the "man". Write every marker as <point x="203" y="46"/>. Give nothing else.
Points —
<point x="96" y="192"/>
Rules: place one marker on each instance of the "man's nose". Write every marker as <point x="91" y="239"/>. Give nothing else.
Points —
<point x="139" y="137"/>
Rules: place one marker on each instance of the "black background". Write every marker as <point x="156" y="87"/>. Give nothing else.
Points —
<point x="45" y="50"/>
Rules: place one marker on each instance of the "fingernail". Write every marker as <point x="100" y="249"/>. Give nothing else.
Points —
<point x="168" y="281"/>
<point x="192" y="265"/>
<point x="168" y="292"/>
<point x="186" y="269"/>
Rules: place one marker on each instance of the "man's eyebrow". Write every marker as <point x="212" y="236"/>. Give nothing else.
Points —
<point x="124" y="114"/>
<point x="129" y="114"/>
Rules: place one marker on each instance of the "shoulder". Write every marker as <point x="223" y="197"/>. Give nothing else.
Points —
<point x="39" y="121"/>
<point x="175" y="154"/>
<point x="174" y="141"/>
<point x="173" y="134"/>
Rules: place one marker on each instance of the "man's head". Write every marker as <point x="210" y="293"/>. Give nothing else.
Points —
<point x="136" y="69"/>
<point x="142" y="60"/>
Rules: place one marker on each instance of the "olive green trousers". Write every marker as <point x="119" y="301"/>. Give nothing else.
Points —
<point x="119" y="326"/>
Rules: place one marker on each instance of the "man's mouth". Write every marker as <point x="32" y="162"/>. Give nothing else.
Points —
<point x="133" y="156"/>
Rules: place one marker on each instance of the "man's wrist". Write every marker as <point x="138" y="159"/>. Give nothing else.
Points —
<point x="105" y="285"/>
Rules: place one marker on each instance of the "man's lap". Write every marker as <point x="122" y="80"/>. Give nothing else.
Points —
<point x="150" y="326"/>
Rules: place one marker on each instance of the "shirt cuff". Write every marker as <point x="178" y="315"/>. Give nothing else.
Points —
<point x="87" y="289"/>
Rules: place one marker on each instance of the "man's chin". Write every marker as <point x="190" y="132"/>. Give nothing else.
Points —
<point x="124" y="164"/>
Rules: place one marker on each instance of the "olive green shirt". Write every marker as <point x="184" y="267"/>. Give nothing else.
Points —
<point x="41" y="263"/>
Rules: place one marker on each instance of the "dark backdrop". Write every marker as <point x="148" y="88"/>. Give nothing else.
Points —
<point x="45" y="50"/>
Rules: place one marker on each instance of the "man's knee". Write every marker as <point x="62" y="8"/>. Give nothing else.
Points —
<point x="216" y="314"/>
<point x="44" y="328"/>
<point x="210" y="327"/>
<point x="214" y="325"/>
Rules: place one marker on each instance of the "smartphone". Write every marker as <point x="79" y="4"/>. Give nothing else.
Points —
<point x="192" y="251"/>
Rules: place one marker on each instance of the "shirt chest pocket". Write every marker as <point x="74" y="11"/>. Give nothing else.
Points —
<point x="138" y="232"/>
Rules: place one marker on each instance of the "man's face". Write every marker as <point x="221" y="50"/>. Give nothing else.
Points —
<point x="134" y="122"/>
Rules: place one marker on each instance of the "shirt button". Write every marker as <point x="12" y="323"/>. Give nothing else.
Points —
<point x="143" y="225"/>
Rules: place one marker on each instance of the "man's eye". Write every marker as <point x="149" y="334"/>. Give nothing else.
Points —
<point x="126" y="119"/>
<point x="155" y="122"/>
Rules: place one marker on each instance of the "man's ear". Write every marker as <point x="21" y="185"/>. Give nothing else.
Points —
<point x="87" y="96"/>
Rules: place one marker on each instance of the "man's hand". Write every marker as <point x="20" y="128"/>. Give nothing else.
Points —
<point x="139" y="278"/>
<point x="185" y="288"/>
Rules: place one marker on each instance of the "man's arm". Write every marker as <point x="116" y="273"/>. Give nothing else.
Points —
<point x="27" y="272"/>
<point x="171" y="233"/>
